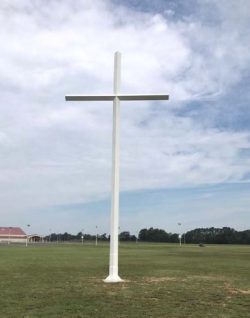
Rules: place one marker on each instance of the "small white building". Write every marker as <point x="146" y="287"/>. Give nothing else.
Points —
<point x="12" y="235"/>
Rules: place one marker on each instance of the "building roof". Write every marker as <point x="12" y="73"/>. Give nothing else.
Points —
<point x="9" y="230"/>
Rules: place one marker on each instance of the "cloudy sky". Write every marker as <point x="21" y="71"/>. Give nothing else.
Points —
<point x="185" y="160"/>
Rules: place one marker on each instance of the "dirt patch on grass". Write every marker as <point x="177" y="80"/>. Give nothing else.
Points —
<point x="206" y="277"/>
<point x="245" y="292"/>
<point x="233" y="290"/>
<point x="160" y="279"/>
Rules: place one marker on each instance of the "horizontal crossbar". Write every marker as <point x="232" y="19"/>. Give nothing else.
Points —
<point x="111" y="97"/>
<point x="144" y="97"/>
<point x="89" y="97"/>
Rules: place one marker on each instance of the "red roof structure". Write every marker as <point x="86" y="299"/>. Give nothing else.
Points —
<point x="9" y="231"/>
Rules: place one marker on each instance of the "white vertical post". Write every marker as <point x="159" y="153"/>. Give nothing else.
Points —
<point x="180" y="233"/>
<point x="96" y="236"/>
<point x="82" y="235"/>
<point x="113" y="258"/>
<point x="9" y="236"/>
<point x="27" y="237"/>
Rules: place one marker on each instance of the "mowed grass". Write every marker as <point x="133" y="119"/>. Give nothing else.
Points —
<point x="161" y="280"/>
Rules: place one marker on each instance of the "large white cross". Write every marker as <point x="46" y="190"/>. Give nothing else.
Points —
<point x="116" y="97"/>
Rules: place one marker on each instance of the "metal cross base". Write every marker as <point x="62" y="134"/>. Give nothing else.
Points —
<point x="113" y="279"/>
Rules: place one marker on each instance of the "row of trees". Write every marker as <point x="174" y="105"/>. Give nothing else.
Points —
<point x="212" y="235"/>
<point x="157" y="235"/>
<point x="79" y="236"/>
<point x="225" y="235"/>
<point x="123" y="236"/>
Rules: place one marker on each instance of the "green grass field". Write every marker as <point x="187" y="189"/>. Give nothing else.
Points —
<point x="161" y="280"/>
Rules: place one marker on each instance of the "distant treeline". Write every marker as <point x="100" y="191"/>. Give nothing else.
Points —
<point x="78" y="237"/>
<point x="212" y="235"/>
<point x="225" y="235"/>
<point x="123" y="236"/>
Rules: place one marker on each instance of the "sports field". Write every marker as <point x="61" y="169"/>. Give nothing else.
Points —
<point x="161" y="280"/>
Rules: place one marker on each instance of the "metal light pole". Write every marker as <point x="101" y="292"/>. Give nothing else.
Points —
<point x="28" y="225"/>
<point x="9" y="235"/>
<point x="180" y="233"/>
<point x="137" y="237"/>
<point x="82" y="235"/>
<point x="50" y="235"/>
<point x="96" y="237"/>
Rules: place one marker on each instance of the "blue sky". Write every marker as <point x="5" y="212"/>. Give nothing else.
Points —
<point x="186" y="160"/>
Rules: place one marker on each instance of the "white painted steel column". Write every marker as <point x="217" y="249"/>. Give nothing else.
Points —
<point x="113" y="258"/>
<point x="116" y="97"/>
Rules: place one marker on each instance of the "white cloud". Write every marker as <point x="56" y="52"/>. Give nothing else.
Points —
<point x="54" y="153"/>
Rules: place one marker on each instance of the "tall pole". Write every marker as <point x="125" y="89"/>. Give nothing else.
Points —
<point x="115" y="97"/>
<point x="113" y="257"/>
<point x="180" y="234"/>
<point x="28" y="225"/>
<point x="82" y="235"/>
<point x="9" y="235"/>
<point x="96" y="236"/>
